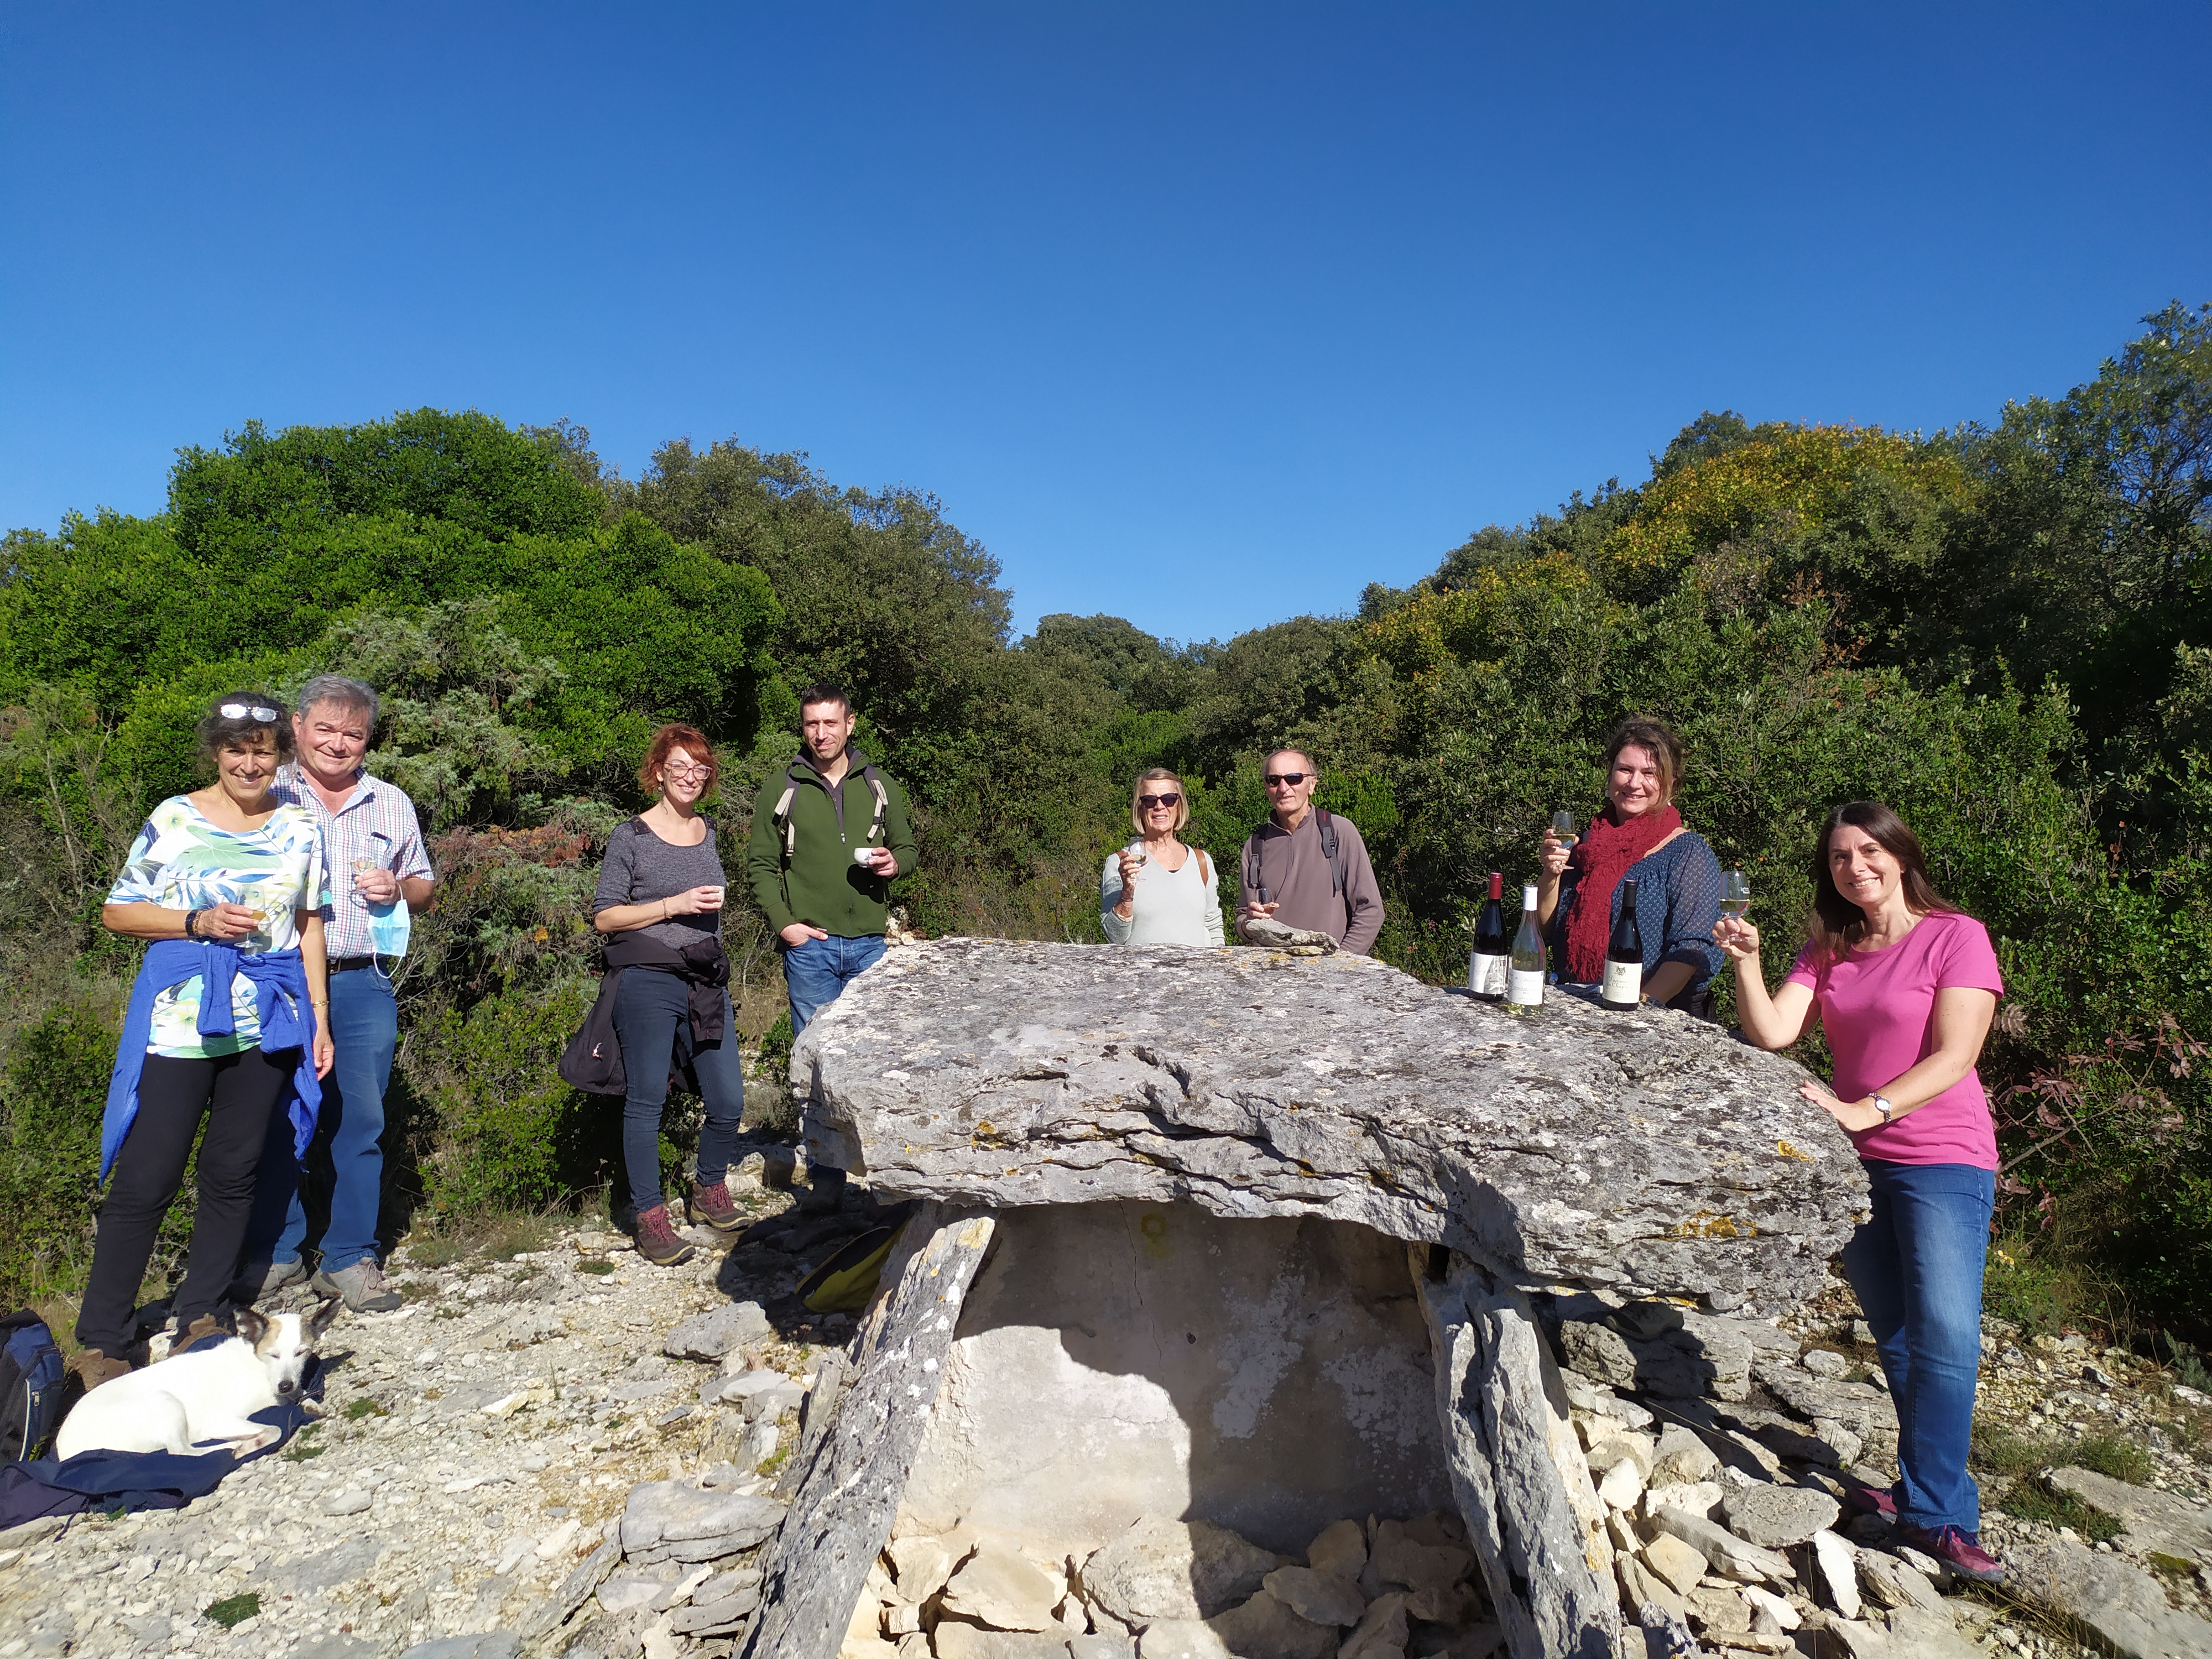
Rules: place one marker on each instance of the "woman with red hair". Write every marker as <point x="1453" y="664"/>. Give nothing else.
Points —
<point x="1904" y="986"/>
<point x="659" y="901"/>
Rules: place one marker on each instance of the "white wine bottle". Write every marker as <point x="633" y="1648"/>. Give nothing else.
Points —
<point x="1624" y="956"/>
<point x="1486" y="966"/>
<point x="1524" y="974"/>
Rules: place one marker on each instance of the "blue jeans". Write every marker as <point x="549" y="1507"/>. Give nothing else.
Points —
<point x="349" y="1134"/>
<point x="653" y="1022"/>
<point x="1917" y="1267"/>
<point x="815" y="972"/>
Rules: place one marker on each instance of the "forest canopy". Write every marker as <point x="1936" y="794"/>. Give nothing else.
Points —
<point x="2000" y="629"/>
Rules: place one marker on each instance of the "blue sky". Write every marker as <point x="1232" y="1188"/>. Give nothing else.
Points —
<point x="1205" y="315"/>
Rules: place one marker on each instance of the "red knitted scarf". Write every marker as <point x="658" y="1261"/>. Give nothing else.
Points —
<point x="1603" y="856"/>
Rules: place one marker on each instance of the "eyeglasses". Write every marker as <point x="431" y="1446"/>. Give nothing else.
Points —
<point x="238" y="711"/>
<point x="1148" y="802"/>
<point x="686" y="772"/>
<point x="1278" y="780"/>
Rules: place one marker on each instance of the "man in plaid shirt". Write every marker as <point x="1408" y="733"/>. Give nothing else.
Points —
<point x="375" y="854"/>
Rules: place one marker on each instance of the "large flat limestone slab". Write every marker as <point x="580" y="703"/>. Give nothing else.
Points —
<point x="1648" y="1149"/>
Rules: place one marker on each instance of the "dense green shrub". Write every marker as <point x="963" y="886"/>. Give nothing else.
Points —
<point x="503" y="1131"/>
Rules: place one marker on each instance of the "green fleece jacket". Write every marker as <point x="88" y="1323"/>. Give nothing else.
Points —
<point x="822" y="886"/>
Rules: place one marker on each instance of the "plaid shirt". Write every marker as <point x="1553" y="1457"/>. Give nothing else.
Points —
<point x="376" y="826"/>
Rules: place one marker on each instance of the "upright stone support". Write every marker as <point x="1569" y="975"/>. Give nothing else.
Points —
<point x="847" y="1495"/>
<point x="1534" y="1519"/>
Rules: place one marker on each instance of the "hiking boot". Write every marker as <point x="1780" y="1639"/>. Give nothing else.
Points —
<point x="656" y="1238"/>
<point x="1956" y="1548"/>
<point x="710" y="1206"/>
<point x="93" y="1368"/>
<point x="208" y="1324"/>
<point x="258" y="1279"/>
<point x="362" y="1287"/>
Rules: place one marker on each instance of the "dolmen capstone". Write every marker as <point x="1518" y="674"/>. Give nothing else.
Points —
<point x="1322" y="1169"/>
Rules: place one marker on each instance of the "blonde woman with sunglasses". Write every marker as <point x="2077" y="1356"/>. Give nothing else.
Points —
<point x="1156" y="890"/>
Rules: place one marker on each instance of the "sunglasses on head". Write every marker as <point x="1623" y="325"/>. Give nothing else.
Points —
<point x="1148" y="802"/>
<point x="1276" y="779"/>
<point x="238" y="711"/>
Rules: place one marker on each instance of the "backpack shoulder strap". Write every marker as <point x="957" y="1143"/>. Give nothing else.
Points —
<point x="883" y="798"/>
<point x="1331" y="848"/>
<point x="1205" y="872"/>
<point x="782" y="816"/>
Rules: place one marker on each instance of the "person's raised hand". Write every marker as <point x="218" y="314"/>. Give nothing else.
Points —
<point x="798" y="932"/>
<point x="1552" y="853"/>
<point x="694" y="900"/>
<point x="1131" y="863"/>
<point x="228" y="921"/>
<point x="1251" y="910"/>
<point x="1739" y="938"/>
<point x="883" y="862"/>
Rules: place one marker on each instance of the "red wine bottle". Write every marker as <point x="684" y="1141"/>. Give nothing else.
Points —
<point x="1486" y="969"/>
<point x="1624" y="956"/>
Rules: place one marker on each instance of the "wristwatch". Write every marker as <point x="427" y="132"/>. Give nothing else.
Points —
<point x="1888" y="1111"/>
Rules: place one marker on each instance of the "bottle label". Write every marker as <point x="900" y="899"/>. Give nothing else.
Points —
<point x="1525" y="987"/>
<point x="1624" y="982"/>
<point x="1486" y="975"/>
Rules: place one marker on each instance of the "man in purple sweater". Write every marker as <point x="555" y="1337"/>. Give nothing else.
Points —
<point x="1306" y="867"/>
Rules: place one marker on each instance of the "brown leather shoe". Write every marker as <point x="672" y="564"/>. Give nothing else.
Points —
<point x="656" y="1238"/>
<point x="93" y="1368"/>
<point x="711" y="1207"/>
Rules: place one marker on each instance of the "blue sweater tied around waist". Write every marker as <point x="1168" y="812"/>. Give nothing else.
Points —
<point x="287" y="1022"/>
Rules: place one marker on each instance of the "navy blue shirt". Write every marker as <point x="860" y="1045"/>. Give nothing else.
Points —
<point x="1678" y="900"/>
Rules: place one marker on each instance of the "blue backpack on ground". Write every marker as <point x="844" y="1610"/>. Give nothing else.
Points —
<point x="30" y="1386"/>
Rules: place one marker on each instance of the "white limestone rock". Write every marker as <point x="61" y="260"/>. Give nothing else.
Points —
<point x="1776" y="1517"/>
<point x="1173" y="1570"/>
<point x="995" y="1588"/>
<point x="2115" y="1599"/>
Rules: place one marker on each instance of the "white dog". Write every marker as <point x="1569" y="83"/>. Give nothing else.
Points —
<point x="210" y="1394"/>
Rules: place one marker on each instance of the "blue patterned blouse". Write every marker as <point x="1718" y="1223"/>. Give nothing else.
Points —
<point x="1678" y="900"/>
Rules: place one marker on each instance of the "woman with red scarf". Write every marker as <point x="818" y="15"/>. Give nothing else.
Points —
<point x="1638" y="837"/>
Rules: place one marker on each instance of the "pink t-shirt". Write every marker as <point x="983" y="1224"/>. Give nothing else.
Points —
<point x="1878" y="1008"/>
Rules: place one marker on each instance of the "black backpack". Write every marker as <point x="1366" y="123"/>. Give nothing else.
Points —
<point x="30" y="1386"/>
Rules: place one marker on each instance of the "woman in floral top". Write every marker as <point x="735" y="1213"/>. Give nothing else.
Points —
<point x="225" y="1021"/>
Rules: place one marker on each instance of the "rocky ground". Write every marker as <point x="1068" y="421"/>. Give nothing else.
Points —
<point x="480" y="1443"/>
<point x="569" y="1452"/>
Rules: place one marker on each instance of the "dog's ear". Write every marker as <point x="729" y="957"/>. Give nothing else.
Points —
<point x="319" y="1321"/>
<point x="250" y="1325"/>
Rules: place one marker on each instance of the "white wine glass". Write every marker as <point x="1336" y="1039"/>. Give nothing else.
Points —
<point x="1736" y="895"/>
<point x="1563" y="828"/>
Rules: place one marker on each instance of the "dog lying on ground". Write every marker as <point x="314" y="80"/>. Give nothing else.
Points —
<point x="208" y="1395"/>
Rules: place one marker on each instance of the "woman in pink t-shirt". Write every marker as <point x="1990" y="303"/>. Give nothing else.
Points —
<point x="1904" y="986"/>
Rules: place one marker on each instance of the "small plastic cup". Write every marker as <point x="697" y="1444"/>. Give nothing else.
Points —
<point x="864" y="856"/>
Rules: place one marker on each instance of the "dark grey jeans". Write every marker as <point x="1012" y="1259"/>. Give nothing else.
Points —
<point x="653" y="1022"/>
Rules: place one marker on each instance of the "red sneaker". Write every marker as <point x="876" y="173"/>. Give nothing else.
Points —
<point x="1870" y="1500"/>
<point x="1956" y="1548"/>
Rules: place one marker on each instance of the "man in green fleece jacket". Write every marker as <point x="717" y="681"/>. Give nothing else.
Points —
<point x="830" y="831"/>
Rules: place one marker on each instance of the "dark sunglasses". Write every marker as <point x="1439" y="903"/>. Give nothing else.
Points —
<point x="1274" y="779"/>
<point x="1148" y="802"/>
